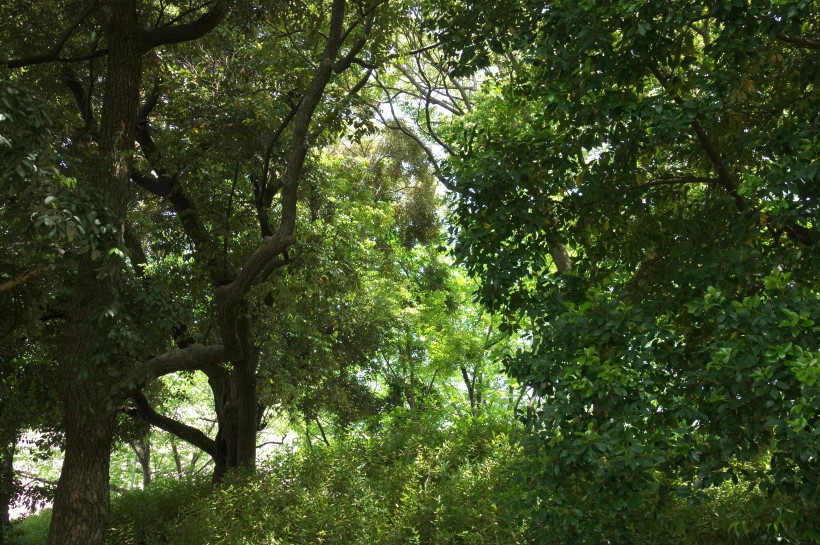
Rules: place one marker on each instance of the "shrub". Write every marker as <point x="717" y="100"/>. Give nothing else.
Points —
<point x="142" y="517"/>
<point x="31" y="530"/>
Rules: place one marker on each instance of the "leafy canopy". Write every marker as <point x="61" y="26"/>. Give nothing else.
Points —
<point x="671" y="149"/>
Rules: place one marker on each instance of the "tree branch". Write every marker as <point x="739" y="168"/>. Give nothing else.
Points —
<point x="142" y="410"/>
<point x="53" y="54"/>
<point x="19" y="279"/>
<point x="263" y="193"/>
<point x="301" y="129"/>
<point x="273" y="246"/>
<point x="82" y="99"/>
<point x="189" y="31"/>
<point x="725" y="178"/>
<point x="399" y="126"/>
<point x="677" y="180"/>
<point x="196" y="357"/>
<point x="800" y="42"/>
<point x="166" y="185"/>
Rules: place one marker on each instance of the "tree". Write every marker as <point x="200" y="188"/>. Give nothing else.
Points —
<point x="110" y="54"/>
<point x="670" y="150"/>
<point x="224" y="81"/>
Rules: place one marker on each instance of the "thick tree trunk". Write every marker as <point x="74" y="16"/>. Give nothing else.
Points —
<point x="81" y="505"/>
<point x="236" y="405"/>
<point x="235" y="397"/>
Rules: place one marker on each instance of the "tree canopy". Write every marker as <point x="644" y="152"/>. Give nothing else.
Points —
<point x="639" y="182"/>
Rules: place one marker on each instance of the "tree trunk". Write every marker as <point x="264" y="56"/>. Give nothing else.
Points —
<point x="177" y="459"/>
<point x="81" y="505"/>
<point x="6" y="487"/>
<point x="142" y="450"/>
<point x="236" y="401"/>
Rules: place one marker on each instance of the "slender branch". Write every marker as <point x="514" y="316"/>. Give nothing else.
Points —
<point x="358" y="86"/>
<point x="82" y="99"/>
<point x="413" y="52"/>
<point x="399" y="126"/>
<point x="430" y="131"/>
<point x="229" y="212"/>
<point x="19" y="279"/>
<point x="182" y="15"/>
<point x="345" y="62"/>
<point x="151" y="102"/>
<point x="725" y="178"/>
<point x="677" y="180"/>
<point x="273" y="246"/>
<point x="426" y="94"/>
<point x="321" y="430"/>
<point x="266" y="443"/>
<point x="367" y="15"/>
<point x="301" y="129"/>
<point x="53" y="54"/>
<point x="263" y="192"/>
<point x="798" y="41"/>
<point x="35" y="478"/>
<point x="96" y="54"/>
<point x="165" y="185"/>
<point x="204" y="466"/>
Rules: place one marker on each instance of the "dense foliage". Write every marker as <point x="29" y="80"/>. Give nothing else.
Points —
<point x="223" y="251"/>
<point x="639" y="181"/>
<point x="411" y="482"/>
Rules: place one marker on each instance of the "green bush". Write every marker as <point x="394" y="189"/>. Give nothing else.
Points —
<point x="31" y="530"/>
<point x="653" y="510"/>
<point x="150" y="516"/>
<point x="411" y="484"/>
<point x="418" y="482"/>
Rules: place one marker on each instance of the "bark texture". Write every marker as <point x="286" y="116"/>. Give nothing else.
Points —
<point x="81" y="504"/>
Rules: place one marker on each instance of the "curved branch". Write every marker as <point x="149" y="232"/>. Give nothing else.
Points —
<point x="263" y="193"/>
<point x="251" y="272"/>
<point x="676" y="180"/>
<point x="82" y="99"/>
<point x="186" y="32"/>
<point x="273" y="246"/>
<point x="301" y="128"/>
<point x="399" y="126"/>
<point x="142" y="410"/>
<point x="166" y="185"/>
<point x="725" y="178"/>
